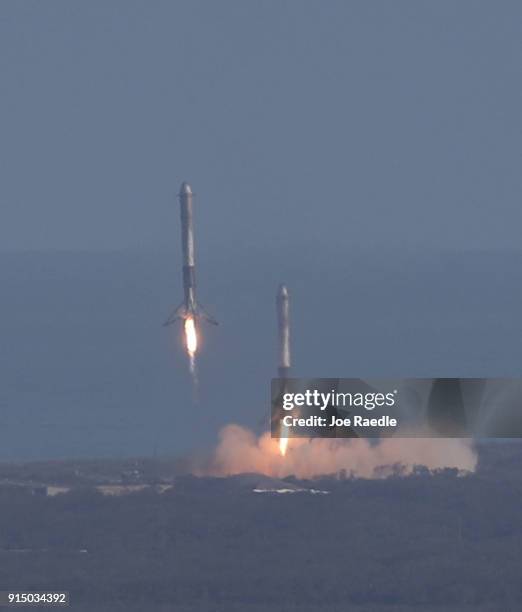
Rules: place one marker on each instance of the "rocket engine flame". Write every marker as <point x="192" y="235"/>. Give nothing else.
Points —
<point x="191" y="336"/>
<point x="191" y="342"/>
<point x="283" y="440"/>
<point x="283" y="446"/>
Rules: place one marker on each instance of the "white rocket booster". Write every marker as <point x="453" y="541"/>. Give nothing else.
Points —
<point x="283" y="321"/>
<point x="189" y="307"/>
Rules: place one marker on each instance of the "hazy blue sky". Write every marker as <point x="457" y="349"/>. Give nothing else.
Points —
<point x="342" y="124"/>
<point x="338" y="122"/>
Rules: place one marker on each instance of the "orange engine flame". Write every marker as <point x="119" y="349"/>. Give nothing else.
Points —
<point x="191" y="336"/>
<point x="283" y="441"/>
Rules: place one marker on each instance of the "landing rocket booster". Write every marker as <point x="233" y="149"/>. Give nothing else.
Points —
<point x="283" y="322"/>
<point x="189" y="307"/>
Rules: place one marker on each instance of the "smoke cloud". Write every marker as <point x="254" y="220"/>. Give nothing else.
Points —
<point x="241" y="451"/>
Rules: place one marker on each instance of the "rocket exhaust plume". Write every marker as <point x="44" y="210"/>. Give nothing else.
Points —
<point x="240" y="451"/>
<point x="191" y="337"/>
<point x="189" y="311"/>
<point x="283" y="442"/>
<point x="283" y="325"/>
<point x="191" y="343"/>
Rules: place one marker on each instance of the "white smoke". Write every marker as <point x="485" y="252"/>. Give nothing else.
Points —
<point x="241" y="451"/>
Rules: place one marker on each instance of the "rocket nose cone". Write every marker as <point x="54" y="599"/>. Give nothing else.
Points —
<point x="283" y="291"/>
<point x="185" y="189"/>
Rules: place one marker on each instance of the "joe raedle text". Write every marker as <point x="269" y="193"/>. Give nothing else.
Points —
<point x="336" y="421"/>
